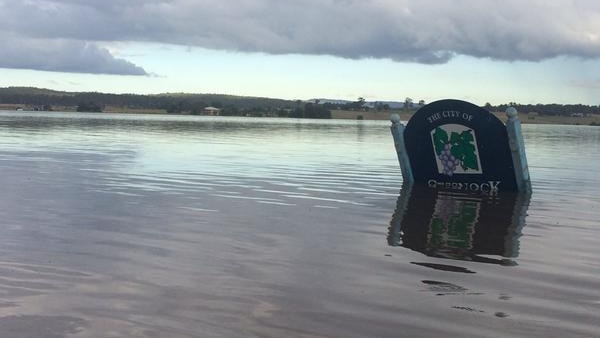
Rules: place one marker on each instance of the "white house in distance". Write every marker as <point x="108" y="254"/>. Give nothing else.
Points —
<point x="211" y="111"/>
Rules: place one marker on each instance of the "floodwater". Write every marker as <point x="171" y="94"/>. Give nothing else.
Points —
<point x="183" y="226"/>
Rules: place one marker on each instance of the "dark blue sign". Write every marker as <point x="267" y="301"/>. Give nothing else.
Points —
<point x="456" y="145"/>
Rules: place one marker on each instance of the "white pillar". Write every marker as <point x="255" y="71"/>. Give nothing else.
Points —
<point x="517" y="149"/>
<point x="397" y="129"/>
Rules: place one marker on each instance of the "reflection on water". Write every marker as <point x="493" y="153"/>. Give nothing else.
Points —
<point x="189" y="226"/>
<point x="459" y="226"/>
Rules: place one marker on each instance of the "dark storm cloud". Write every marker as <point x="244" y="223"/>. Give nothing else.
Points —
<point x="62" y="56"/>
<point x="423" y="31"/>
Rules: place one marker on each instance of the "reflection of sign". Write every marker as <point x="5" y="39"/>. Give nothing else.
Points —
<point x="453" y="223"/>
<point x="455" y="148"/>
<point x="459" y="226"/>
<point x="456" y="145"/>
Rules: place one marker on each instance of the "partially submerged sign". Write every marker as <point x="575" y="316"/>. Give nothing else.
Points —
<point x="456" y="145"/>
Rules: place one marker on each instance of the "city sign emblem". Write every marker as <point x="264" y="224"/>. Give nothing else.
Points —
<point x="456" y="145"/>
<point x="455" y="148"/>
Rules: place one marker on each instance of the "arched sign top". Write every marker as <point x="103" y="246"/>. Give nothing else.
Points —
<point x="456" y="145"/>
<point x="456" y="111"/>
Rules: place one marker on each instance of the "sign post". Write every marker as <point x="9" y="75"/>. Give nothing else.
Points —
<point x="517" y="148"/>
<point x="455" y="145"/>
<point x="398" y="134"/>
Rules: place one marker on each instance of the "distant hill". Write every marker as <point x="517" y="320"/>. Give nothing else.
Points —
<point x="175" y="103"/>
<point x="369" y="104"/>
<point x="238" y="105"/>
<point x="40" y="97"/>
<point x="31" y="91"/>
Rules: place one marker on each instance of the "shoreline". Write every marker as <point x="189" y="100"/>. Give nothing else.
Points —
<point x="592" y="120"/>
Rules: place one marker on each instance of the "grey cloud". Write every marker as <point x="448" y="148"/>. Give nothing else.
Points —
<point x="423" y="31"/>
<point x="62" y="56"/>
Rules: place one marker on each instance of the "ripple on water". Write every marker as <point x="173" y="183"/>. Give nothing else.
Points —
<point x="163" y="226"/>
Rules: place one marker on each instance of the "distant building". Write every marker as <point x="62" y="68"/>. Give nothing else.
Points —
<point x="211" y="111"/>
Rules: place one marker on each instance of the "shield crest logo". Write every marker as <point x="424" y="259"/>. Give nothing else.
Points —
<point x="455" y="149"/>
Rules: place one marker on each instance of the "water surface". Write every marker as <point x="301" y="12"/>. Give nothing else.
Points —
<point x="174" y="226"/>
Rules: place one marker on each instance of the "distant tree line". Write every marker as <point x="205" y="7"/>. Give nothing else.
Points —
<point x="90" y="107"/>
<point x="172" y="103"/>
<point x="547" y="109"/>
<point x="361" y="104"/>
<point x="231" y="105"/>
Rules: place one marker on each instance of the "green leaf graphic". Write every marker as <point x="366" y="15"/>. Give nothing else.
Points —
<point x="440" y="138"/>
<point x="457" y="150"/>
<point x="462" y="147"/>
<point x="455" y="138"/>
<point x="467" y="136"/>
<point x="470" y="161"/>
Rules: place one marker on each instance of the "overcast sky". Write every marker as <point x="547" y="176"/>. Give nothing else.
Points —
<point x="480" y="50"/>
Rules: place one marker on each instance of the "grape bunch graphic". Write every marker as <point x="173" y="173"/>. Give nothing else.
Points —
<point x="448" y="160"/>
<point x="455" y="150"/>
